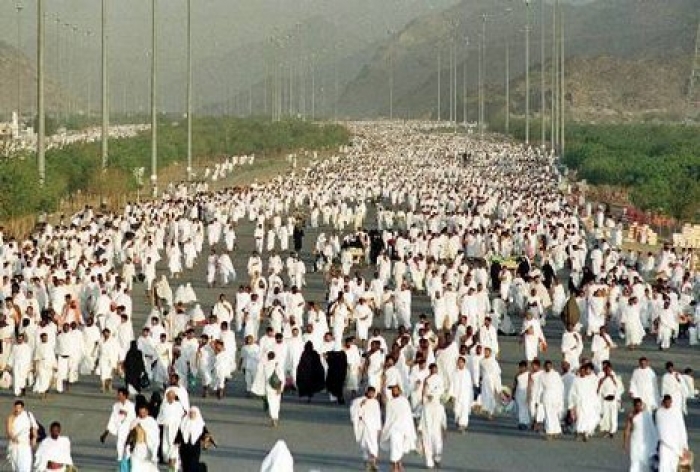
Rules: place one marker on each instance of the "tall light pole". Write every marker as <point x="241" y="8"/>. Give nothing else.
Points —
<point x="482" y="55"/>
<point x="41" y="126"/>
<point x="562" y="94"/>
<point x="464" y="80"/>
<point x="105" y="90"/>
<point x="154" y="117"/>
<point x="454" y="81"/>
<point x="543" y="104"/>
<point x="59" y="60"/>
<point x="189" y="90"/>
<point x="507" y="85"/>
<point x="19" y="8"/>
<point x="555" y="81"/>
<point x="391" y="76"/>
<point x="439" y="82"/>
<point x="450" y="87"/>
<point x="313" y="87"/>
<point x="527" y="71"/>
<point x="67" y="71"/>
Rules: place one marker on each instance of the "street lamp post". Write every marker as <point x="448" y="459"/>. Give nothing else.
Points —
<point x="189" y="90"/>
<point x="562" y="94"/>
<point x="19" y="8"/>
<point x="105" y="99"/>
<point x="527" y="71"/>
<point x="507" y="86"/>
<point x="439" y="82"/>
<point x="543" y="104"/>
<point x="464" y="81"/>
<point x="41" y="126"/>
<point x="482" y="55"/>
<point x="391" y="77"/>
<point x="154" y="117"/>
<point x="555" y="83"/>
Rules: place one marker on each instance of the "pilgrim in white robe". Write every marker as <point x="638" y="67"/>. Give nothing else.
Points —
<point x="490" y="385"/>
<point x="643" y="442"/>
<point x="462" y="392"/>
<point x="552" y="400"/>
<point x="432" y="427"/>
<point x="399" y="433"/>
<point x="366" y="419"/>
<point x="261" y="387"/>
<point x="19" y="449"/>
<point x="643" y="385"/>
<point x="673" y="437"/>
<point x="53" y="450"/>
<point x="169" y="418"/>
<point x="583" y="401"/>
<point x="279" y="459"/>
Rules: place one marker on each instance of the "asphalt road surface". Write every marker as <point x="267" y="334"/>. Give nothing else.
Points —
<point x="320" y="435"/>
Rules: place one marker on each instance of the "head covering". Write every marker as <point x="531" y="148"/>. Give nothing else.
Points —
<point x="279" y="459"/>
<point x="192" y="428"/>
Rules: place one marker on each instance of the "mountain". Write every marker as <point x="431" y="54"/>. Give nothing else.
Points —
<point x="336" y="41"/>
<point x="14" y="66"/>
<point x="619" y="53"/>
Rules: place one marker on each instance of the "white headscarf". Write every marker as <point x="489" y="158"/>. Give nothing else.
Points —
<point x="279" y="459"/>
<point x="192" y="428"/>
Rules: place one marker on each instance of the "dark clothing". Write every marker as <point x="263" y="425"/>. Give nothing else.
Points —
<point x="310" y="373"/>
<point x="134" y="368"/>
<point x="523" y="268"/>
<point x="548" y="275"/>
<point x="190" y="453"/>
<point x="337" y="372"/>
<point x="571" y="314"/>
<point x="298" y="236"/>
<point x="496" y="276"/>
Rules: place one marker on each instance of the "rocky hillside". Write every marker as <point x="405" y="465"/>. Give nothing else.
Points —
<point x="626" y="59"/>
<point x="55" y="97"/>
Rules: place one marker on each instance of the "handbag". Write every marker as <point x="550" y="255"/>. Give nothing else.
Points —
<point x="274" y="380"/>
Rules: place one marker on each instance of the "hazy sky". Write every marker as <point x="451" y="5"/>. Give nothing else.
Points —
<point x="219" y="27"/>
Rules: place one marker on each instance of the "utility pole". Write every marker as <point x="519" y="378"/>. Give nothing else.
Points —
<point x="527" y="72"/>
<point x="464" y="82"/>
<point x="482" y="91"/>
<point x="189" y="90"/>
<point x="154" y="111"/>
<point x="439" y="67"/>
<point x="313" y="87"/>
<point x="454" y="83"/>
<point x="543" y="104"/>
<point x="562" y="88"/>
<point x="507" y="86"/>
<point x="41" y="126"/>
<point x="555" y="80"/>
<point x="105" y="96"/>
<point x="450" y="88"/>
<point x="19" y="8"/>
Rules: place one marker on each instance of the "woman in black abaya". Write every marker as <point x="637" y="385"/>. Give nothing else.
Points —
<point x="337" y="372"/>
<point x="134" y="368"/>
<point x="310" y="373"/>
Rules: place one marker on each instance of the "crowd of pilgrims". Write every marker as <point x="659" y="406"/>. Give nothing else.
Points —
<point x="490" y="245"/>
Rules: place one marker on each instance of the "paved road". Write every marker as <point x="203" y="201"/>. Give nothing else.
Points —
<point x="320" y="435"/>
